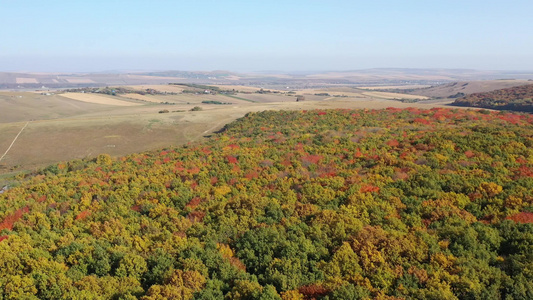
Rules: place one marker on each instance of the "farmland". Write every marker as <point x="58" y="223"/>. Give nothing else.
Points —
<point x="85" y="122"/>
<point x="394" y="96"/>
<point x="97" y="99"/>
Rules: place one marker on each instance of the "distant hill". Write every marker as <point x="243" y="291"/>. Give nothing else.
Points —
<point x="369" y="77"/>
<point x="519" y="98"/>
<point x="462" y="88"/>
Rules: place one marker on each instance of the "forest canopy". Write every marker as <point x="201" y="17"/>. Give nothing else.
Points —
<point x="332" y="204"/>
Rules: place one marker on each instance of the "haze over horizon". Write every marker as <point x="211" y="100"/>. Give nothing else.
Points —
<point x="242" y="36"/>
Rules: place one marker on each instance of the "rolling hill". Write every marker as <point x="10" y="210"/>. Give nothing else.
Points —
<point x="519" y="98"/>
<point x="271" y="80"/>
<point x="462" y="88"/>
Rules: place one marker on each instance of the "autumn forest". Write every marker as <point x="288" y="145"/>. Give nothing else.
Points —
<point x="518" y="98"/>
<point x="318" y="204"/>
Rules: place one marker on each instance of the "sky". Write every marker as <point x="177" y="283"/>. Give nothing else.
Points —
<point x="242" y="36"/>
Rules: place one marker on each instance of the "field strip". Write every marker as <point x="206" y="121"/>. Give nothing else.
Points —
<point x="393" y="96"/>
<point x="140" y="97"/>
<point x="91" y="98"/>
<point x="240" y="98"/>
<point x="14" y="140"/>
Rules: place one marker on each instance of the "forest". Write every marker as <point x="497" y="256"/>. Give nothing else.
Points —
<point x="518" y="98"/>
<point x="319" y="204"/>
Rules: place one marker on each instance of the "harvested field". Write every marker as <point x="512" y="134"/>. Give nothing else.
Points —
<point x="397" y="87"/>
<point x="23" y="80"/>
<point x="162" y="88"/>
<point x="385" y="95"/>
<point x="186" y="98"/>
<point x="92" y="98"/>
<point x="24" y="106"/>
<point x="349" y="92"/>
<point x="152" y="78"/>
<point x="233" y="77"/>
<point x="140" y="97"/>
<point x="79" y="80"/>
<point x="267" y="98"/>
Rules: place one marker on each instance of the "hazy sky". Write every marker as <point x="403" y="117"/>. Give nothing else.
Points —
<point x="265" y="35"/>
